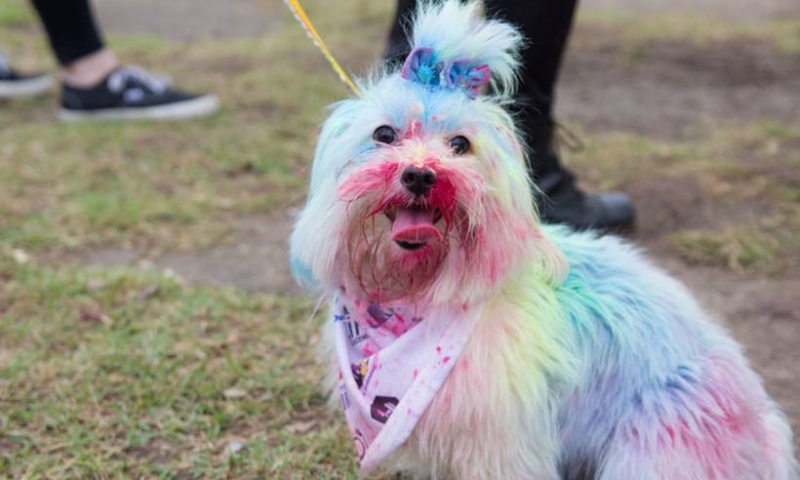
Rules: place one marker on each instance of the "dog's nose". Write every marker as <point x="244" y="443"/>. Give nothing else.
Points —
<point x="418" y="181"/>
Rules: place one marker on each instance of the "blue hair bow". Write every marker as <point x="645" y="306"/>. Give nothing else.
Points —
<point x="422" y="67"/>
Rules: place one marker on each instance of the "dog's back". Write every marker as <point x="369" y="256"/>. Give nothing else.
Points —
<point x="616" y="374"/>
<point x="660" y="388"/>
<point x="573" y="356"/>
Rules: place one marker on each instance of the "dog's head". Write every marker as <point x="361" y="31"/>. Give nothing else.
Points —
<point x="419" y="189"/>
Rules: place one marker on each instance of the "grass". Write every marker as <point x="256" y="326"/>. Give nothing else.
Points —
<point x="146" y="185"/>
<point x="14" y="13"/>
<point x="734" y="193"/>
<point x="734" y="248"/>
<point x="130" y="373"/>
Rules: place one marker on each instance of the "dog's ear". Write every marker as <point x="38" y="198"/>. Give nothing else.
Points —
<point x="313" y="240"/>
<point x="327" y="160"/>
<point x="500" y="143"/>
<point x="453" y="32"/>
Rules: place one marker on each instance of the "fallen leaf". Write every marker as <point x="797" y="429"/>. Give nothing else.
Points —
<point x="234" y="393"/>
<point x="20" y="256"/>
<point x="234" y="447"/>
<point x="147" y="292"/>
<point x="93" y="314"/>
<point x="300" y="427"/>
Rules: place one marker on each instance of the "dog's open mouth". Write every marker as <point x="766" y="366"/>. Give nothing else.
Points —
<point x="413" y="228"/>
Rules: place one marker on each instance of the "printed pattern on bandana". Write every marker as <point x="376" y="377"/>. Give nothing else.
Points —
<point x="392" y="361"/>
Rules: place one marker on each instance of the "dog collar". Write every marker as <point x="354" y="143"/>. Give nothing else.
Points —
<point x="393" y="359"/>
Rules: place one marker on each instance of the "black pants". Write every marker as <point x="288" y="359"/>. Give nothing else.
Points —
<point x="71" y="28"/>
<point x="546" y="25"/>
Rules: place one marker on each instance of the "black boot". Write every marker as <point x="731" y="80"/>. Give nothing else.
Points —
<point x="559" y="199"/>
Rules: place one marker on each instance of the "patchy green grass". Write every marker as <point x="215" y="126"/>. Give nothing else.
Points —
<point x="174" y="186"/>
<point x="735" y="193"/>
<point x="737" y="248"/>
<point x="635" y="29"/>
<point x="14" y="13"/>
<point x="129" y="374"/>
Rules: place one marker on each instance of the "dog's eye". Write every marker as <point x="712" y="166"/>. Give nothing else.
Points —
<point x="384" y="134"/>
<point x="459" y="145"/>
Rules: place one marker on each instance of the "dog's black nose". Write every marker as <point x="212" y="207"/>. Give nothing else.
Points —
<point x="418" y="181"/>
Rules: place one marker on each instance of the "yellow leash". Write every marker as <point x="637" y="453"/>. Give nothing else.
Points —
<point x="300" y="15"/>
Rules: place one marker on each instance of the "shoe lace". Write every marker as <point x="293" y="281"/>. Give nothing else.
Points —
<point x="119" y="78"/>
<point x="564" y="137"/>
<point x="563" y="179"/>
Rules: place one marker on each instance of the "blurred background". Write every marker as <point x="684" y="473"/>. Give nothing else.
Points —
<point x="148" y="323"/>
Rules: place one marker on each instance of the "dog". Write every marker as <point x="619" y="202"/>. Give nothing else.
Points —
<point x="470" y="341"/>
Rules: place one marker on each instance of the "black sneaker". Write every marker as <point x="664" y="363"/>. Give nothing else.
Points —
<point x="15" y="85"/>
<point x="130" y="93"/>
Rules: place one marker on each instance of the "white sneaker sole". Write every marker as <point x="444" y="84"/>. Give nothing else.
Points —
<point x="25" y="88"/>
<point x="197" y="107"/>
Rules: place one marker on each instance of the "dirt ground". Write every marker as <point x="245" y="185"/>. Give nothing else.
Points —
<point x="190" y="20"/>
<point x="739" y="10"/>
<point x="669" y="92"/>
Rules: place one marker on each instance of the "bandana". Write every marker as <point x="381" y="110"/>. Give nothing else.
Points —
<point x="393" y="359"/>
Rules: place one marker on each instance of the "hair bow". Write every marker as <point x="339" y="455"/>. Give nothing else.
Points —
<point x="422" y="67"/>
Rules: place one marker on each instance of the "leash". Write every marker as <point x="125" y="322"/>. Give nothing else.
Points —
<point x="300" y="14"/>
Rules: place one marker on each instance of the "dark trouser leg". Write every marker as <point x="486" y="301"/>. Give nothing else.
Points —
<point x="546" y="24"/>
<point x="398" y="47"/>
<point x="70" y="28"/>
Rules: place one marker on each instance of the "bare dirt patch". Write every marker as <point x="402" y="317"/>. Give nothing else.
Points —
<point x="667" y="204"/>
<point x="257" y="260"/>
<point x="191" y="20"/>
<point x="676" y="90"/>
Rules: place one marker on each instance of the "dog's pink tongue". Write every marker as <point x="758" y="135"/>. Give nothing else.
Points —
<point x="414" y="226"/>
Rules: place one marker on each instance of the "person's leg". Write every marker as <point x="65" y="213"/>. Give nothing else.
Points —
<point x="76" y="41"/>
<point x="70" y="27"/>
<point x="398" y="48"/>
<point x="94" y="83"/>
<point x="546" y="24"/>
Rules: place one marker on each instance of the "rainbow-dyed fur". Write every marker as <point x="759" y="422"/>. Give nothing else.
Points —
<point x="588" y="361"/>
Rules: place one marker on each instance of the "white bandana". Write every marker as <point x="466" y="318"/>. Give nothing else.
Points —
<point x="390" y="368"/>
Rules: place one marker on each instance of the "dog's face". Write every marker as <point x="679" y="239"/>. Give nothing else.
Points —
<point x="416" y="194"/>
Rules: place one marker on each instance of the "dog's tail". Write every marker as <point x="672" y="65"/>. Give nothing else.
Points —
<point x="456" y="32"/>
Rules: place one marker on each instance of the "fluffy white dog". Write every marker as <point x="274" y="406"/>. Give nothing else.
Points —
<point x="472" y="342"/>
